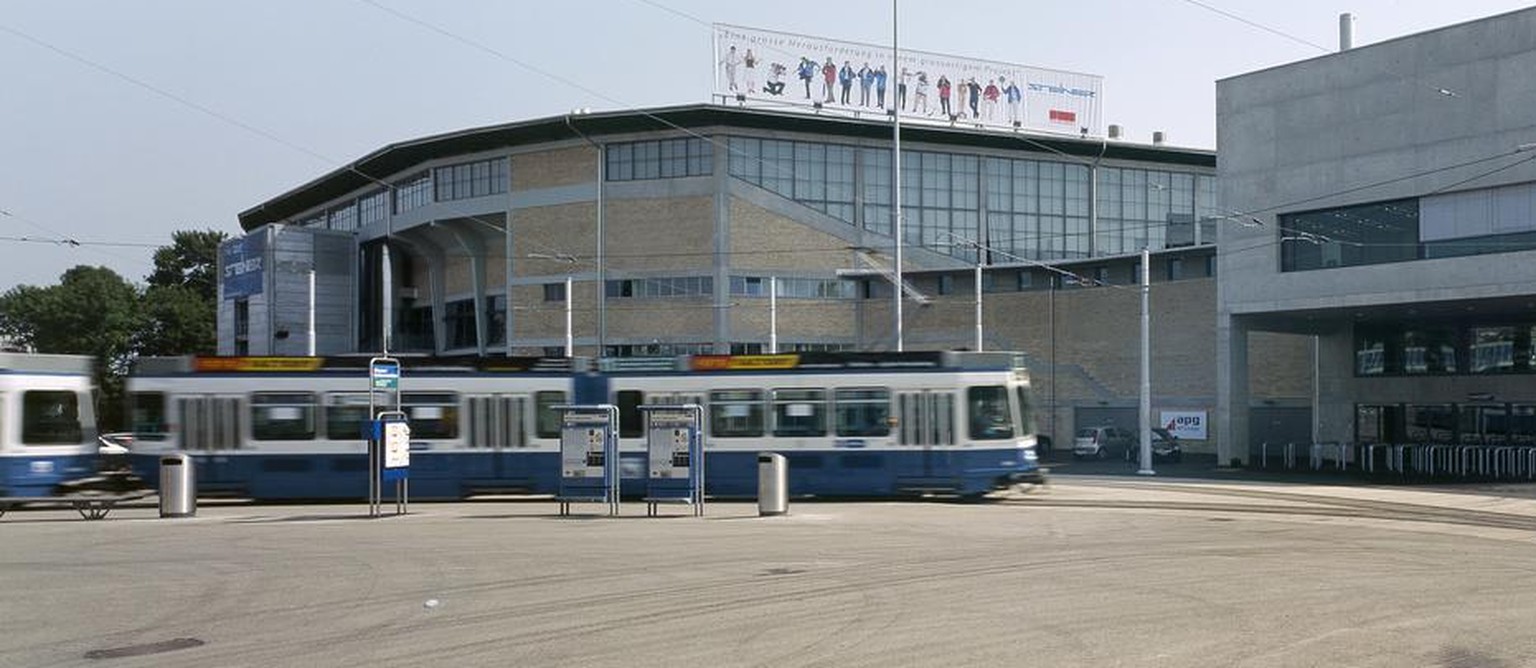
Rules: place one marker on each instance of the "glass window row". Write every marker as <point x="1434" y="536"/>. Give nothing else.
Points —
<point x="666" y="286"/>
<point x="659" y="159"/>
<point x="1407" y="350"/>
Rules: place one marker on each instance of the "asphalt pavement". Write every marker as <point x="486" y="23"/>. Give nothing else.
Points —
<point x="1090" y="570"/>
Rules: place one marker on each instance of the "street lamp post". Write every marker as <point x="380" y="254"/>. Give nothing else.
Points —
<point x="570" y="339"/>
<point x="1146" y="366"/>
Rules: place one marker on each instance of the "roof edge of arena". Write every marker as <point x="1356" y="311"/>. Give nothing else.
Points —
<point x="388" y="161"/>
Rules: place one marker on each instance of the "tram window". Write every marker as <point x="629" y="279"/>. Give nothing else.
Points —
<point x="799" y="413"/>
<point x="1026" y="411"/>
<point x="863" y="411"/>
<point x="432" y="415"/>
<point x="736" y="413"/>
<point x="345" y="415"/>
<point x="631" y="423"/>
<point x="288" y="416"/>
<point x="147" y="411"/>
<point x="50" y="417"/>
<point x="547" y="420"/>
<point x="988" y="409"/>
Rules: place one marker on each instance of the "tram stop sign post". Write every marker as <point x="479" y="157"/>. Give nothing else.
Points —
<point x="388" y="437"/>
<point x="384" y="373"/>
<point x="589" y="456"/>
<point x="675" y="462"/>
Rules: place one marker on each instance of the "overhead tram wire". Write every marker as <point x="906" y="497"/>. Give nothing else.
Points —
<point x="1439" y="90"/>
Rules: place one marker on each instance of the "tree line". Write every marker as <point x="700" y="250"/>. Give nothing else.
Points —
<point x="94" y="311"/>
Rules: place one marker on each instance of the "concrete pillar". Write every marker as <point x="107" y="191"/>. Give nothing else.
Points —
<point x="1335" y="410"/>
<point x="1231" y="390"/>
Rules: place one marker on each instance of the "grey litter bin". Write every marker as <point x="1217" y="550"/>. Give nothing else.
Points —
<point x="178" y="486"/>
<point x="772" y="484"/>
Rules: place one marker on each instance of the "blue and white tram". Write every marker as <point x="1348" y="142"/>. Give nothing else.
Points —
<point x="47" y="423"/>
<point x="849" y="424"/>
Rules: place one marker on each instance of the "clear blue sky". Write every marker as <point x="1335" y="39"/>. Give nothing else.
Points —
<point x="298" y="87"/>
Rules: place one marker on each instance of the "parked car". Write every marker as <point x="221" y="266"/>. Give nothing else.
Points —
<point x="1165" y="447"/>
<point x="1100" y="442"/>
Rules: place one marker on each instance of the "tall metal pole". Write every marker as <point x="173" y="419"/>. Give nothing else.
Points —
<point x="773" y="315"/>
<point x="978" y="299"/>
<point x="896" y="173"/>
<point x="388" y="291"/>
<point x="570" y="340"/>
<point x="602" y="263"/>
<point x="1146" y="365"/>
<point x="311" y="322"/>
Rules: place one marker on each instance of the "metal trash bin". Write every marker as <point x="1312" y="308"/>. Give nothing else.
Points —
<point x="772" y="484"/>
<point x="178" y="486"/>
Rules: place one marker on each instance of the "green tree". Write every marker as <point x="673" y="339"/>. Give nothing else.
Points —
<point x="181" y="300"/>
<point x="92" y="311"/>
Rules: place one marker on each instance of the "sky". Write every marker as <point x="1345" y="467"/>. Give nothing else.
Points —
<point x="123" y="122"/>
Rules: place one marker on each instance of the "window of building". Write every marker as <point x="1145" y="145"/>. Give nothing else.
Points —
<point x="946" y="284"/>
<point x="817" y="175"/>
<point x="373" y="208"/>
<point x="1175" y="269"/>
<point x="471" y="179"/>
<point x="554" y="292"/>
<point x="496" y="319"/>
<point x="661" y="287"/>
<point x="342" y="218"/>
<point x="659" y="159"/>
<point x="413" y="192"/>
<point x="459" y="321"/>
<point x="1492" y="349"/>
<point x="1350" y="236"/>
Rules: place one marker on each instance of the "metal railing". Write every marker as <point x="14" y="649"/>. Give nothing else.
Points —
<point x="1415" y="462"/>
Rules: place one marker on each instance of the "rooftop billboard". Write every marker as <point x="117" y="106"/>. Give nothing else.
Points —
<point x="776" y="69"/>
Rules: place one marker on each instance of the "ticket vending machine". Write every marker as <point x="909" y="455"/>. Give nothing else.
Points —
<point x="675" y="456"/>
<point x="589" y="456"/>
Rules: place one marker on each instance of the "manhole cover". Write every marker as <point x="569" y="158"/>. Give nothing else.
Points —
<point x="144" y="649"/>
<point x="782" y="571"/>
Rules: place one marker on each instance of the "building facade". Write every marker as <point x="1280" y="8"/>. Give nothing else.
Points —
<point x="1384" y="213"/>
<point x="717" y="229"/>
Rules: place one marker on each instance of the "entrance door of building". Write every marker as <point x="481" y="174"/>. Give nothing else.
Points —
<point x="1278" y="425"/>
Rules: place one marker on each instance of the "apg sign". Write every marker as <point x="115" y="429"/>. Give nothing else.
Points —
<point x="1186" y="425"/>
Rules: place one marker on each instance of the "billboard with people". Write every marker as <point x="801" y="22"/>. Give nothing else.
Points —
<point x="768" y="68"/>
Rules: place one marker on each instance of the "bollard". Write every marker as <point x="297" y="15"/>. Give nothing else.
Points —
<point x="178" y="486"/>
<point x="772" y="484"/>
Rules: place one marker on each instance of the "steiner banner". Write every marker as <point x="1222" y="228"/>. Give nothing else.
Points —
<point x="241" y="265"/>
<point x="763" y="68"/>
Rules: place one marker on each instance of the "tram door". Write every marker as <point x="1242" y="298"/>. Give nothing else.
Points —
<point x="210" y="431"/>
<point x="495" y="432"/>
<point x="926" y="422"/>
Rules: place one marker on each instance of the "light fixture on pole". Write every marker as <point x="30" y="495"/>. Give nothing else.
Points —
<point x="570" y="340"/>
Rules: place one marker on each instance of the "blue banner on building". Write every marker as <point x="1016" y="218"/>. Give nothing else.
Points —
<point x="242" y="265"/>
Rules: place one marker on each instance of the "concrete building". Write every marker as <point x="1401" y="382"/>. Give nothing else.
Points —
<point x="674" y="226"/>
<point x="1387" y="200"/>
